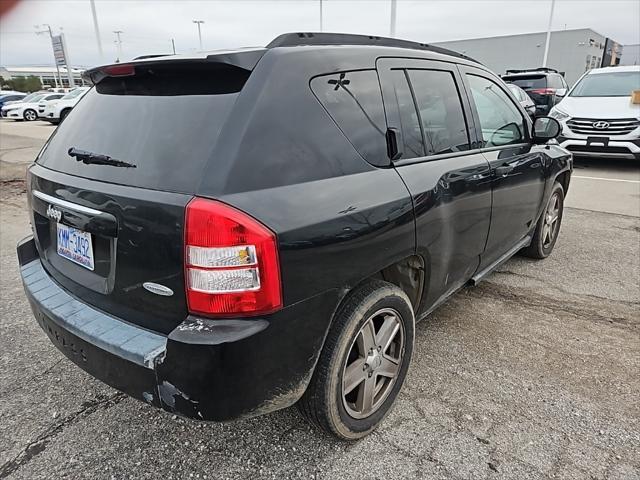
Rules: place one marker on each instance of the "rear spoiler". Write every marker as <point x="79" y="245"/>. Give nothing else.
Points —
<point x="532" y="70"/>
<point x="242" y="59"/>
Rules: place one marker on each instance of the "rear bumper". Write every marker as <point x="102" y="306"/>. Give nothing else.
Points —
<point x="204" y="369"/>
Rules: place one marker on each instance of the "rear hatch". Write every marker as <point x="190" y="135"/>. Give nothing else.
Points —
<point x="534" y="85"/>
<point x="109" y="190"/>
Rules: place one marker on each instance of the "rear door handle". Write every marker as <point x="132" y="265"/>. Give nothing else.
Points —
<point x="504" y="170"/>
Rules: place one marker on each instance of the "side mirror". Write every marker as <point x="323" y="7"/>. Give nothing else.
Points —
<point x="561" y="92"/>
<point x="545" y="129"/>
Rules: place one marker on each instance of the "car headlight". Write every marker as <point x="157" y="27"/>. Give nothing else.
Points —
<point x="558" y="114"/>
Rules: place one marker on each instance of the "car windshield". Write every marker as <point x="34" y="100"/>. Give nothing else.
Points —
<point x="614" y="84"/>
<point x="37" y="98"/>
<point x="31" y="96"/>
<point x="74" y="93"/>
<point x="515" y="90"/>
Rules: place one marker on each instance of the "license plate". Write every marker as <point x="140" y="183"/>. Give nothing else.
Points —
<point x="75" y="245"/>
<point x="604" y="141"/>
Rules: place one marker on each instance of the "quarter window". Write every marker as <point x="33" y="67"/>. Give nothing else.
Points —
<point x="354" y="101"/>
<point x="440" y="111"/>
<point x="500" y="119"/>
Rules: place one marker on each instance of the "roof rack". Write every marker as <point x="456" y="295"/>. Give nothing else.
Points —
<point x="527" y="70"/>
<point x="314" y="38"/>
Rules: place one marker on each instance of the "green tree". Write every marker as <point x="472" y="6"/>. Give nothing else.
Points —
<point x="23" y="84"/>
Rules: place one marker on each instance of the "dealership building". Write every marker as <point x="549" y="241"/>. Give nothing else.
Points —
<point x="571" y="52"/>
<point x="47" y="75"/>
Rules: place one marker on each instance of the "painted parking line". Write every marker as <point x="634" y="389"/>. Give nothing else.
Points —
<point x="606" y="179"/>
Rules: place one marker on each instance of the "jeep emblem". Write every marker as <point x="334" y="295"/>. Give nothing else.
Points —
<point x="54" y="213"/>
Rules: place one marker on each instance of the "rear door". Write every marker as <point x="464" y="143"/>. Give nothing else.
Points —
<point x="104" y="230"/>
<point x="517" y="169"/>
<point x="446" y="174"/>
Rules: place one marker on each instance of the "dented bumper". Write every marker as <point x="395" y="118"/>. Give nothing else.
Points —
<point x="204" y="369"/>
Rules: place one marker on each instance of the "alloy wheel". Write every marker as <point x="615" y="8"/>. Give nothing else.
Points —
<point x="551" y="220"/>
<point x="373" y="363"/>
<point x="30" y="115"/>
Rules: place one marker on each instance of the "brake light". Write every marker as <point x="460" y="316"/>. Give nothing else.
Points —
<point x="544" y="91"/>
<point x="231" y="262"/>
<point x="121" y="70"/>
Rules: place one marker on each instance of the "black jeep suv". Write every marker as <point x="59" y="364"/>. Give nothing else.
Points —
<point x="231" y="234"/>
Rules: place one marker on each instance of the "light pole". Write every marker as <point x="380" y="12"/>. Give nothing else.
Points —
<point x="58" y="80"/>
<point x="119" y="44"/>
<point x="392" y="27"/>
<point x="199" y="22"/>
<point x="320" y="16"/>
<point x="546" y="45"/>
<point x="96" y="29"/>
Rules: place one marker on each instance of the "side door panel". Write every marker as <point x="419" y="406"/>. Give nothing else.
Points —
<point x="451" y="192"/>
<point x="518" y="170"/>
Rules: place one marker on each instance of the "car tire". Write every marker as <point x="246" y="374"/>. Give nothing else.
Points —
<point x="375" y="324"/>
<point x="30" y="115"/>
<point x="63" y="114"/>
<point x="548" y="226"/>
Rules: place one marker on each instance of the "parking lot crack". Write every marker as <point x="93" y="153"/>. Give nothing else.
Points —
<point x="536" y="300"/>
<point x="40" y="442"/>
<point x="559" y="288"/>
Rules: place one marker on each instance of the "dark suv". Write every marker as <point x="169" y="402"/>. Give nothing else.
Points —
<point x="545" y="86"/>
<point x="227" y="235"/>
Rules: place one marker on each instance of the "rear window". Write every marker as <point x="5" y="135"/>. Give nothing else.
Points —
<point x="354" y="101"/>
<point x="527" y="82"/>
<point x="165" y="119"/>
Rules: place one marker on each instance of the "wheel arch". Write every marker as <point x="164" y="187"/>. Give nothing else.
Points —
<point x="564" y="178"/>
<point x="409" y="274"/>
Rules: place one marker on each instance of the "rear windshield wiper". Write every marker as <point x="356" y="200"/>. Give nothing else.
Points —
<point x="97" y="158"/>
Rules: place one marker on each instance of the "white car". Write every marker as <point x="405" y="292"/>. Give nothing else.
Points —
<point x="598" y="116"/>
<point x="55" y="112"/>
<point x="28" y="111"/>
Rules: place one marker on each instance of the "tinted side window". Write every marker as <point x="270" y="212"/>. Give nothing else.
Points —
<point x="440" y="111"/>
<point x="500" y="119"/>
<point x="354" y="101"/>
<point x="409" y="122"/>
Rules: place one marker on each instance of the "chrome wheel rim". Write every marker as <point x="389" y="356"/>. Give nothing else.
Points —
<point x="373" y="363"/>
<point x="551" y="220"/>
<point x="29" y="115"/>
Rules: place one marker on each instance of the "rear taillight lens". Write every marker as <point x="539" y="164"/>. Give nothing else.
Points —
<point x="543" y="91"/>
<point x="231" y="262"/>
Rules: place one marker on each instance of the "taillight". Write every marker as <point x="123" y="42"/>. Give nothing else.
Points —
<point x="544" y="91"/>
<point x="231" y="262"/>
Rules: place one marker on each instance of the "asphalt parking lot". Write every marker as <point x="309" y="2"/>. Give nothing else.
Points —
<point x="532" y="374"/>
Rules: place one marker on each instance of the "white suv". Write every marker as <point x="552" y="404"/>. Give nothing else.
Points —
<point x="55" y="112"/>
<point x="598" y="116"/>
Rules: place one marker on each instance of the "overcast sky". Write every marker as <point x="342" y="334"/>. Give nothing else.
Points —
<point x="149" y="25"/>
